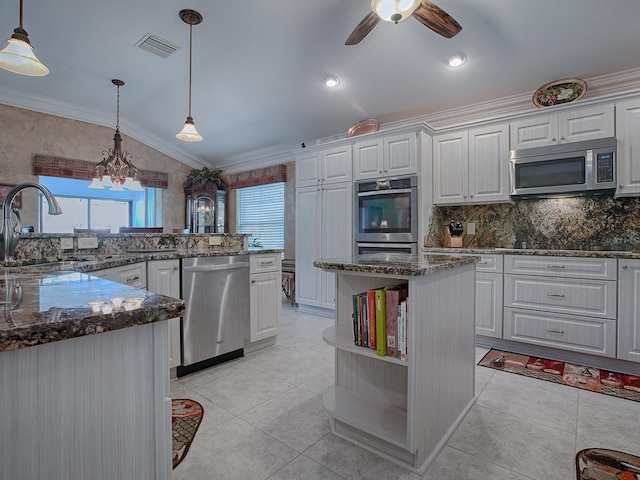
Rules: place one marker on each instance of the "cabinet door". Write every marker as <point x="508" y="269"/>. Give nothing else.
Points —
<point x="133" y="275"/>
<point x="400" y="155"/>
<point x="450" y="168"/>
<point x="628" y="135"/>
<point x="488" y="164"/>
<point x="265" y="305"/>
<point x="337" y="164"/>
<point x="368" y="159"/>
<point x="163" y="277"/>
<point x="308" y="245"/>
<point x="489" y="304"/>
<point x="337" y="226"/>
<point x="586" y="124"/>
<point x="534" y="132"/>
<point x="629" y="310"/>
<point x="308" y="170"/>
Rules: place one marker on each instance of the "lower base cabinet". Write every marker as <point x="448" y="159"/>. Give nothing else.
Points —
<point x="629" y="310"/>
<point x="265" y="296"/>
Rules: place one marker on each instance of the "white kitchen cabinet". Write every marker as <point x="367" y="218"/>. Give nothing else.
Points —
<point x="489" y="283"/>
<point x="163" y="276"/>
<point x="471" y="166"/>
<point x="628" y="158"/>
<point x="320" y="167"/>
<point x="629" y="310"/>
<point x="324" y="226"/>
<point x="134" y="275"/>
<point x="565" y="127"/>
<point x="265" y="296"/>
<point x="389" y="156"/>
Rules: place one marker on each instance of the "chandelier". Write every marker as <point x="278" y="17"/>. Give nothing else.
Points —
<point x="18" y="56"/>
<point x="116" y="170"/>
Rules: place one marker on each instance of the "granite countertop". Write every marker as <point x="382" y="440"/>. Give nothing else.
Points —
<point x="395" y="263"/>
<point x="41" y="306"/>
<point x="533" y="251"/>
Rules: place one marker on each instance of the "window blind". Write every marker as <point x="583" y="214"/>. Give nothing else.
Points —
<point x="260" y="212"/>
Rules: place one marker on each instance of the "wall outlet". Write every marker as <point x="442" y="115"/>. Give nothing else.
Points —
<point x="66" y="243"/>
<point x="471" y="228"/>
<point x="215" y="241"/>
<point x="87" y="242"/>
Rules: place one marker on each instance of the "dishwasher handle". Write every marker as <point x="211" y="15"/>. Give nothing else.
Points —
<point x="216" y="268"/>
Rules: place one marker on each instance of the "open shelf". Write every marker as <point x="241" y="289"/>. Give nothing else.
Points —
<point x="340" y="336"/>
<point x="387" y="422"/>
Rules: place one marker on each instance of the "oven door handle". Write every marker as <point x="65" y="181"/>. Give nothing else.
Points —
<point x="384" y="245"/>
<point x="390" y="190"/>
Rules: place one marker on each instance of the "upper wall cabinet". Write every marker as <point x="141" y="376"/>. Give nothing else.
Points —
<point x="322" y="167"/>
<point x="628" y="158"/>
<point x="569" y="126"/>
<point x="385" y="157"/>
<point x="471" y="166"/>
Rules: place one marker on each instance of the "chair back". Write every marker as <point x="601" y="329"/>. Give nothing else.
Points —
<point x="140" y="230"/>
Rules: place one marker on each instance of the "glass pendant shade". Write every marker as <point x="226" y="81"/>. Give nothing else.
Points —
<point x="394" y="10"/>
<point x="18" y="57"/>
<point x="189" y="132"/>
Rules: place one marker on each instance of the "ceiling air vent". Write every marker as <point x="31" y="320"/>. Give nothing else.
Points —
<point x="156" y="45"/>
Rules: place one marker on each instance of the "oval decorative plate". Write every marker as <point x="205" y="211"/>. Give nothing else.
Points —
<point x="559" y="92"/>
<point x="369" y="125"/>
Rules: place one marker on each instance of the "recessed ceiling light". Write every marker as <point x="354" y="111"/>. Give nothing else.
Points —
<point x="456" y="60"/>
<point x="332" y="81"/>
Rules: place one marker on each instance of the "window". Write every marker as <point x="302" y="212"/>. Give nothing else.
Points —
<point x="260" y="212"/>
<point x="85" y="208"/>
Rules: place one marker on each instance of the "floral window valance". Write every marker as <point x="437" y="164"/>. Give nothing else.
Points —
<point x="259" y="176"/>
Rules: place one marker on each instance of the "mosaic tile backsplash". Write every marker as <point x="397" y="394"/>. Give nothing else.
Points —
<point x="579" y="223"/>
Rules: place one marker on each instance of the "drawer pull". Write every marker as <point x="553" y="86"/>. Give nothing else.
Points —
<point x="483" y="263"/>
<point x="132" y="279"/>
<point x="557" y="295"/>
<point x="267" y="263"/>
<point x="559" y="332"/>
<point x="555" y="266"/>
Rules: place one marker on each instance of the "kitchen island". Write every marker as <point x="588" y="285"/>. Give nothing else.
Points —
<point x="83" y="377"/>
<point x="404" y="410"/>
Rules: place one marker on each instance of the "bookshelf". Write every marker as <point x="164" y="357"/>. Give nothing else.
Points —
<point x="405" y="410"/>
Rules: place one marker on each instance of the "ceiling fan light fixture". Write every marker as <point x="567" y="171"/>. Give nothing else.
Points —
<point x="394" y="10"/>
<point x="456" y="60"/>
<point x="18" y="56"/>
<point x="331" y="81"/>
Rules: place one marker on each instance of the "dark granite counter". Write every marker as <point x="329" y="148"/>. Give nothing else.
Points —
<point x="42" y="306"/>
<point x="404" y="264"/>
<point x="532" y="251"/>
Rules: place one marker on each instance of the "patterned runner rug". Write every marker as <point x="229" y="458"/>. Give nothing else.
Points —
<point x="579" y="376"/>
<point x="186" y="416"/>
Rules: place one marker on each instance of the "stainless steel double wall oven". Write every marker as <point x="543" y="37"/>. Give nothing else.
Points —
<point x="386" y="215"/>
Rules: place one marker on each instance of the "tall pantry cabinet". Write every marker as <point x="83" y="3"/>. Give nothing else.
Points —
<point x="324" y="222"/>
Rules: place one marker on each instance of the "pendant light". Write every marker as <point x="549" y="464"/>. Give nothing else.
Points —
<point x="189" y="132"/>
<point x="18" y="56"/>
<point x="116" y="170"/>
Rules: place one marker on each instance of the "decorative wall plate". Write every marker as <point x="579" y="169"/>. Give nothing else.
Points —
<point x="559" y="92"/>
<point x="363" y="126"/>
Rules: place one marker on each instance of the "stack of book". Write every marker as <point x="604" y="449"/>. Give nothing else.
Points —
<point x="380" y="320"/>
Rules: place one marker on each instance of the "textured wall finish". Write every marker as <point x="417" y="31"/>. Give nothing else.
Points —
<point x="24" y="133"/>
<point x="580" y="223"/>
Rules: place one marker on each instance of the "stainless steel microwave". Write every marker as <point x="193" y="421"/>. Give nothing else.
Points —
<point x="564" y="169"/>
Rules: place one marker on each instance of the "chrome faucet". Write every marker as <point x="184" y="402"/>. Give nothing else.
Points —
<point x="9" y="234"/>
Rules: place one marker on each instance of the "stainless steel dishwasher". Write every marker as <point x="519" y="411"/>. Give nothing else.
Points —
<point x="216" y="319"/>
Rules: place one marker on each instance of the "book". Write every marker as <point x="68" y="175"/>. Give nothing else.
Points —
<point x="355" y="319"/>
<point x="394" y="295"/>
<point x="381" y="326"/>
<point x="402" y="330"/>
<point x="372" y="318"/>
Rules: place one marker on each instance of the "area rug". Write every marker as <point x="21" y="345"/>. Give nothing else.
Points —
<point x="603" y="464"/>
<point x="579" y="376"/>
<point x="186" y="416"/>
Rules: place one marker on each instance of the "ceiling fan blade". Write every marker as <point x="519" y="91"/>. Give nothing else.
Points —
<point x="433" y="17"/>
<point x="363" y="29"/>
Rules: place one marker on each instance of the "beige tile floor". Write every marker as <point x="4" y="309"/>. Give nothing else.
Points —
<point x="264" y="419"/>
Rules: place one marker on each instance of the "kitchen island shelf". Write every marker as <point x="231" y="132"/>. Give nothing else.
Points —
<point x="341" y="337"/>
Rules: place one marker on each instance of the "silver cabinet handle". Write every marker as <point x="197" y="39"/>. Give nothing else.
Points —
<point x="132" y="279"/>
<point x="270" y="262"/>
<point x="253" y="281"/>
<point x="176" y="268"/>
<point x="557" y="295"/>
<point x="559" y="332"/>
<point x="555" y="266"/>
<point x="625" y="266"/>
<point x="483" y="263"/>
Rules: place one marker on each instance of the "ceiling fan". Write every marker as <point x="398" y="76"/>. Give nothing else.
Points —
<point x="428" y="14"/>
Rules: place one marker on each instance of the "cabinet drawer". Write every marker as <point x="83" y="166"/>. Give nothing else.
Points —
<point x="490" y="263"/>
<point x="600" y="268"/>
<point x="133" y="275"/>
<point x="579" y="334"/>
<point x="264" y="263"/>
<point x="596" y="298"/>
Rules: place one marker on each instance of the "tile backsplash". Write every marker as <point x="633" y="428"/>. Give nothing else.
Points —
<point x="579" y="223"/>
